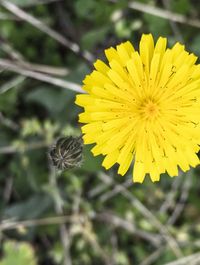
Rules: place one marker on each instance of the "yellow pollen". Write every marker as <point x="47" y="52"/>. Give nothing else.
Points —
<point x="149" y="109"/>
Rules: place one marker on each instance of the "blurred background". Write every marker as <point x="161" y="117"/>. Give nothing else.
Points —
<point x="85" y="216"/>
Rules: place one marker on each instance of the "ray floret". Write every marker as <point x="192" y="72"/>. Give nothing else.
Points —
<point x="144" y="107"/>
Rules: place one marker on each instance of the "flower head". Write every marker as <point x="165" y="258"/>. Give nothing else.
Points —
<point x="144" y="107"/>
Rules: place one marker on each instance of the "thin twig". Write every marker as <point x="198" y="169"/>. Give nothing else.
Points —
<point x="4" y="16"/>
<point x="8" y="49"/>
<point x="55" y="220"/>
<point x="39" y="76"/>
<point x="99" y="188"/>
<point x="114" y="250"/>
<point x="166" y="14"/>
<point x="85" y="228"/>
<point x="8" y="189"/>
<point x="169" y="197"/>
<point x="9" y="224"/>
<point x="47" y="30"/>
<point x="37" y="2"/>
<point x="174" y="26"/>
<point x="188" y="260"/>
<point x="181" y="203"/>
<point x="8" y="122"/>
<point x="65" y="22"/>
<point x="154" y="221"/>
<point x="117" y="221"/>
<point x="21" y="149"/>
<point x="64" y="234"/>
<point x="153" y="257"/>
<point x="149" y="215"/>
<point x="91" y="238"/>
<point x="21" y="62"/>
<point x="46" y="69"/>
<point x="115" y="190"/>
<point x="11" y="83"/>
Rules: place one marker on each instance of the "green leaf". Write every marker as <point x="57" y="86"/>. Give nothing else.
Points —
<point x="96" y="11"/>
<point x="91" y="38"/>
<point x="181" y="6"/>
<point x="54" y="100"/>
<point x="31" y="208"/>
<point x="122" y="29"/>
<point x="16" y="253"/>
<point x="8" y="101"/>
<point x="91" y="163"/>
<point x="157" y="26"/>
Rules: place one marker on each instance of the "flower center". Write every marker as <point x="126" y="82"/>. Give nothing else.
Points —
<point x="149" y="109"/>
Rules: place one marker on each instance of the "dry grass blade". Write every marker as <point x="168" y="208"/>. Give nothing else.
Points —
<point x="12" y="83"/>
<point x="153" y="257"/>
<point x="92" y="240"/>
<point x="170" y="196"/>
<point x="8" y="123"/>
<point x="19" y="60"/>
<point x="37" y="2"/>
<point x="14" y="149"/>
<point x="8" y="17"/>
<point x="106" y="183"/>
<point x="174" y="26"/>
<point x="117" y="189"/>
<point x="9" y="50"/>
<point x="64" y="233"/>
<point x="39" y="76"/>
<point x="85" y="228"/>
<point x="181" y="203"/>
<point x="147" y="214"/>
<point x="193" y="259"/>
<point x="46" y="69"/>
<point x="157" y="224"/>
<point x="118" y="222"/>
<point x="166" y="14"/>
<point x="55" y="220"/>
<point x="47" y="30"/>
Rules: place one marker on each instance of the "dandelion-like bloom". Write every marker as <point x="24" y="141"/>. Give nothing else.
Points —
<point x="144" y="107"/>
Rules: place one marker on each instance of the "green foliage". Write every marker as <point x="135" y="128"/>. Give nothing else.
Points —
<point x="103" y="219"/>
<point x="156" y="25"/>
<point x="32" y="208"/>
<point x="93" y="37"/>
<point x="51" y="99"/>
<point x="181" y="6"/>
<point x="95" y="11"/>
<point x="8" y="101"/>
<point x="195" y="47"/>
<point x="90" y="163"/>
<point x="24" y="3"/>
<point x="18" y="254"/>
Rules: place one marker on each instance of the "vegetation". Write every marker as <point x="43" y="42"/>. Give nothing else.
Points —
<point x="86" y="215"/>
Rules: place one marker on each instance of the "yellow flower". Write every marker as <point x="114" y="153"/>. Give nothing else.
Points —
<point x="144" y="107"/>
